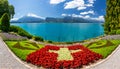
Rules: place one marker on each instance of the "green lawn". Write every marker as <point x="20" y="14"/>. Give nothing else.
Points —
<point x="103" y="47"/>
<point x="23" y="48"/>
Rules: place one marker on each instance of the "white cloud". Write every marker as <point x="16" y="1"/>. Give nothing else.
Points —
<point x="56" y="1"/>
<point x="100" y="18"/>
<point x="91" y="1"/>
<point x="88" y="12"/>
<point x="64" y="14"/>
<point x="79" y="4"/>
<point x="89" y="5"/>
<point x="74" y="15"/>
<point x="74" y="4"/>
<point x="85" y="17"/>
<point x="34" y="15"/>
<point x="81" y="8"/>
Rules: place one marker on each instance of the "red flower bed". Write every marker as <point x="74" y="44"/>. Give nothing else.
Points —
<point x="47" y="59"/>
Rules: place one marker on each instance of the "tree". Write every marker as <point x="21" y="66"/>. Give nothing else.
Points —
<point x="6" y="8"/>
<point x="5" y="23"/>
<point x="11" y="11"/>
<point x="112" y="18"/>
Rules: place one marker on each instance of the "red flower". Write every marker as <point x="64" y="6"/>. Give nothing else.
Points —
<point x="48" y="59"/>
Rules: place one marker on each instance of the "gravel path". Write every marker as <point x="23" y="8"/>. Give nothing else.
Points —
<point x="7" y="60"/>
<point x="109" y="37"/>
<point x="9" y="36"/>
<point x="112" y="62"/>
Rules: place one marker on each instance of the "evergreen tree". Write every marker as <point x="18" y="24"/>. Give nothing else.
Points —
<point x="112" y="18"/>
<point x="5" y="23"/>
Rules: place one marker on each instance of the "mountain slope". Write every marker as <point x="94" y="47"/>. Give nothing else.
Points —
<point x="72" y="20"/>
<point x="30" y="18"/>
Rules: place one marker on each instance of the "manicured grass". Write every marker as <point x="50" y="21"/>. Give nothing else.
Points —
<point x="103" y="47"/>
<point x="23" y="48"/>
<point x="105" y="51"/>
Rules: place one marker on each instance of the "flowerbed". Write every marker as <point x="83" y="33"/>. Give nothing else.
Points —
<point x="47" y="59"/>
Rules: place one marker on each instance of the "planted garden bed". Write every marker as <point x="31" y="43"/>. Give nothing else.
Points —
<point x="23" y="49"/>
<point x="74" y="56"/>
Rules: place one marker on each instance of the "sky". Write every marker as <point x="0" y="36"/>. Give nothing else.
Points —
<point x="94" y="9"/>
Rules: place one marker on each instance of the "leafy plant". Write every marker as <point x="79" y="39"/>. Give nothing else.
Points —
<point x="5" y="23"/>
<point x="118" y="31"/>
<point x="112" y="32"/>
<point x="50" y="41"/>
<point x="69" y="42"/>
<point x="37" y="38"/>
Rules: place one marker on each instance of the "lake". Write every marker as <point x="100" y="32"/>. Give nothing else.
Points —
<point x="63" y="32"/>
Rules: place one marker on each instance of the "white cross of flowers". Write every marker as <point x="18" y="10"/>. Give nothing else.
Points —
<point x="64" y="53"/>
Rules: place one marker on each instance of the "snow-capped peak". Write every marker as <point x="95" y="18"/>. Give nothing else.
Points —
<point x="14" y="19"/>
<point x="34" y="15"/>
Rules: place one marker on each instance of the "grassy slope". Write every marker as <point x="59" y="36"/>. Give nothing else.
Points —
<point x="22" y="52"/>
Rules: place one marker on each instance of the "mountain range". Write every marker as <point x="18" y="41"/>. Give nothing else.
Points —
<point x="67" y="19"/>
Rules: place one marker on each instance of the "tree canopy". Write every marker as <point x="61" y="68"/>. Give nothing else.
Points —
<point x="5" y="7"/>
<point x="112" y="18"/>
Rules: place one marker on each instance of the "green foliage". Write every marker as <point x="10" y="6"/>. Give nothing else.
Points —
<point x="69" y="42"/>
<point x="112" y="32"/>
<point x="20" y="31"/>
<point x="118" y="31"/>
<point x="5" y="23"/>
<point x="11" y="11"/>
<point x="112" y="18"/>
<point x="37" y="38"/>
<point x="5" y="7"/>
<point x="0" y="23"/>
<point x="50" y="41"/>
<point x="0" y="31"/>
<point x="23" y="49"/>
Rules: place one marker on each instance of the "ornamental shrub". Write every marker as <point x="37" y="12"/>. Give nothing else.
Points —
<point x="118" y="31"/>
<point x="0" y="23"/>
<point x="5" y="22"/>
<point x="37" y="38"/>
<point x="50" y="41"/>
<point x="112" y="32"/>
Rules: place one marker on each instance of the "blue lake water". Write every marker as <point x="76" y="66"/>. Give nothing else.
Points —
<point x="63" y="32"/>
